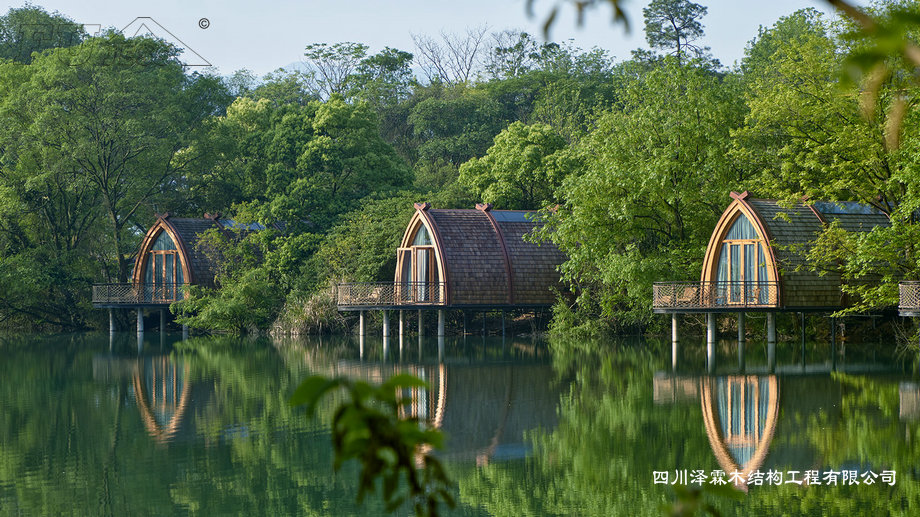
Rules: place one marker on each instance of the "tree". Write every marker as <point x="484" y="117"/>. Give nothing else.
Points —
<point x="654" y="182"/>
<point x="295" y="164"/>
<point x="116" y="112"/>
<point x="522" y="170"/>
<point x="285" y="87"/>
<point x="672" y="26"/>
<point x="330" y="66"/>
<point x="453" y="61"/>
<point x="30" y="29"/>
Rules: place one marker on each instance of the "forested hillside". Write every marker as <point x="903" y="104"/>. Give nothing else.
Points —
<point x="631" y="161"/>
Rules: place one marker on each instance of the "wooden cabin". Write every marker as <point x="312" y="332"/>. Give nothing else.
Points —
<point x="168" y="259"/>
<point x="464" y="259"/>
<point x="753" y="259"/>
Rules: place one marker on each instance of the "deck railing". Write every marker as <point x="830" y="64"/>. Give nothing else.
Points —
<point x="711" y="295"/>
<point x="909" y="297"/>
<point x="132" y="294"/>
<point x="388" y="294"/>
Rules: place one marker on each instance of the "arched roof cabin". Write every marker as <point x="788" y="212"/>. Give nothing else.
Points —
<point x="168" y="258"/>
<point x="464" y="258"/>
<point x="754" y="258"/>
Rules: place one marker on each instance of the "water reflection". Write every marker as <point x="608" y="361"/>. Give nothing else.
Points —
<point x="571" y="427"/>
<point x="740" y="414"/>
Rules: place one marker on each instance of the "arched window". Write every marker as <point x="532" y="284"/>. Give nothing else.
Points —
<point x="418" y="273"/>
<point x="163" y="273"/>
<point x="742" y="267"/>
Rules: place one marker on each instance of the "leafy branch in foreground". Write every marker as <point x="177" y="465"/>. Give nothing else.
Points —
<point x="368" y="428"/>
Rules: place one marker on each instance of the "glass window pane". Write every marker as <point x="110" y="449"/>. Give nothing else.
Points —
<point x="735" y="256"/>
<point x="742" y="229"/>
<point x="164" y="242"/>
<point x="421" y="237"/>
<point x="158" y="268"/>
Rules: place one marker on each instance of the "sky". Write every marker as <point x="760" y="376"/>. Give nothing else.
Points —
<point x="262" y="36"/>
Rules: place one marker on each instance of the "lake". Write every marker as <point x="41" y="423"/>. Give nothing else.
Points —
<point x="98" y="426"/>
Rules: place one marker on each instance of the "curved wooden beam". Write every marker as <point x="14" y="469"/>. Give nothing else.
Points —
<point x="738" y="207"/>
<point x="509" y="270"/>
<point x="150" y="238"/>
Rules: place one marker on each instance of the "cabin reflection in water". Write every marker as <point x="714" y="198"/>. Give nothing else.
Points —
<point x="162" y="393"/>
<point x="740" y="414"/>
<point x="484" y="409"/>
<point x="160" y="387"/>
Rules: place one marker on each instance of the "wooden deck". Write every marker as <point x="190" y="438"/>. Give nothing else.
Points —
<point x="670" y="297"/>
<point x="115" y="296"/>
<point x="389" y="295"/>
<point x="909" y="298"/>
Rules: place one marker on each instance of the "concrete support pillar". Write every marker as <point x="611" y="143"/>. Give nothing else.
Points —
<point x="162" y="320"/>
<point x="440" y="323"/>
<point x="674" y="340"/>
<point x="421" y="325"/>
<point x="361" y="345"/>
<point x="140" y="320"/>
<point x="361" y="324"/>
<point x="771" y="328"/>
<point x="386" y="324"/>
<point x="741" y="336"/>
<point x="111" y="321"/>
<point x="483" y="323"/>
<point x="710" y="329"/>
<point x="833" y="344"/>
<point x="184" y="331"/>
<point x="675" y="320"/>
<point x="711" y="341"/>
<point x="440" y="349"/>
<point x="402" y="325"/>
<point x="386" y="348"/>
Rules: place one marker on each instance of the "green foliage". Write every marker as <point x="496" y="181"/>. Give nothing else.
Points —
<point x="368" y="428"/>
<point x="655" y="180"/>
<point x="29" y="29"/>
<point x="296" y="164"/>
<point x="672" y="25"/>
<point x="362" y="247"/>
<point x="522" y="170"/>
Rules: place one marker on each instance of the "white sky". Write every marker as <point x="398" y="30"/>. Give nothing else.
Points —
<point x="265" y="35"/>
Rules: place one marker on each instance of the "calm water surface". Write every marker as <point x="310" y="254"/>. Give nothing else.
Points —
<point x="90" y="426"/>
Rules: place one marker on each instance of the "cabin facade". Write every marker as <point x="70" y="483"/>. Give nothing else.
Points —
<point x="464" y="259"/>
<point x="168" y="259"/>
<point x="754" y="260"/>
